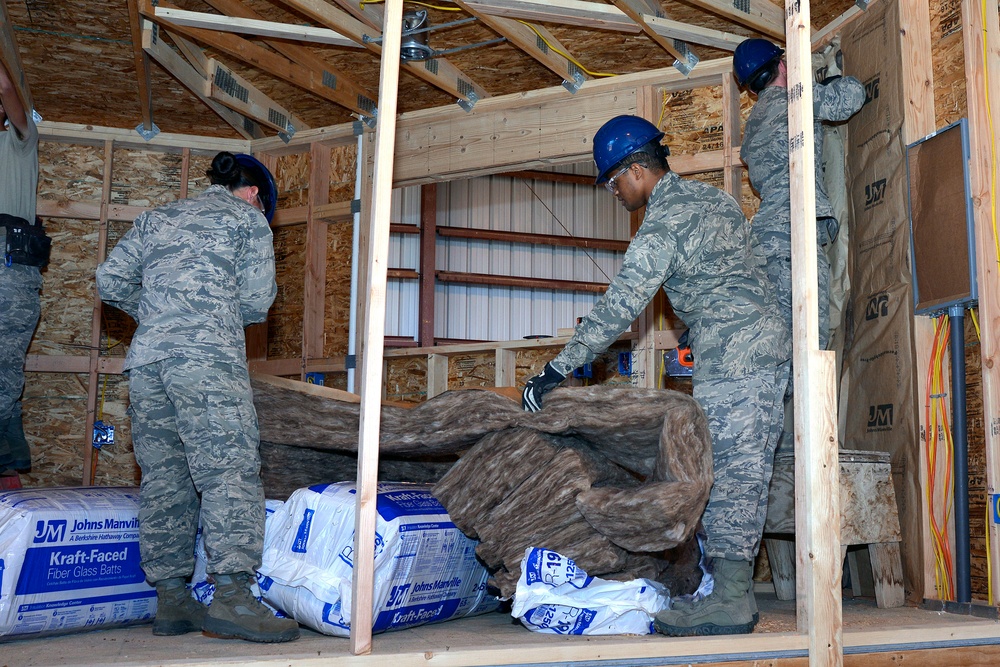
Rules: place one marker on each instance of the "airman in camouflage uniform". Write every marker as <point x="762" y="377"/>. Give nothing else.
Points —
<point x="19" y="284"/>
<point x="696" y="244"/>
<point x="765" y="151"/>
<point x="193" y="274"/>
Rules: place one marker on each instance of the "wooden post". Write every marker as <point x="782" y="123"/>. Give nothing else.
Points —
<point x="437" y="374"/>
<point x="732" y="174"/>
<point x="93" y="378"/>
<point x="314" y="292"/>
<point x="374" y="326"/>
<point x="506" y="368"/>
<point x="644" y="367"/>
<point x="981" y="35"/>
<point x="918" y="121"/>
<point x="428" y="241"/>
<point x="366" y="165"/>
<point x="817" y="469"/>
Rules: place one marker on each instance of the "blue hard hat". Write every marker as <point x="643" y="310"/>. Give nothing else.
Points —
<point x="266" y="189"/>
<point x="618" y="138"/>
<point x="751" y="56"/>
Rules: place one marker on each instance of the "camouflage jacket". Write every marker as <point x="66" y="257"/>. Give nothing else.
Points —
<point x="694" y="242"/>
<point x="765" y="146"/>
<point x="192" y="274"/>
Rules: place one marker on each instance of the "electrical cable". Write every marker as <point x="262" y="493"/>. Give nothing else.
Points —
<point x="936" y="404"/>
<point x="563" y="53"/>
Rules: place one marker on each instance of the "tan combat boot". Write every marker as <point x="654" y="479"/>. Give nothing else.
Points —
<point x="236" y="614"/>
<point x="729" y="610"/>
<point x="177" y="612"/>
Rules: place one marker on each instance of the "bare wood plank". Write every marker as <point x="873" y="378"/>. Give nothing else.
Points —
<point x="887" y="571"/>
<point x="306" y="388"/>
<point x="732" y="170"/>
<point x="592" y="15"/>
<point x="428" y="242"/>
<point x="309" y="79"/>
<point x="314" y="289"/>
<point x="193" y="81"/>
<point x="518" y="281"/>
<point x="918" y="121"/>
<point x="645" y="371"/>
<point x="549" y="176"/>
<point x="506" y="368"/>
<point x="257" y="27"/>
<point x="981" y="43"/>
<point x="141" y="60"/>
<point x="369" y="13"/>
<point x="10" y="57"/>
<point x="760" y="15"/>
<point x="686" y="32"/>
<point x="781" y="558"/>
<point x="168" y="142"/>
<point x="185" y="171"/>
<point x="437" y="374"/>
<point x="439" y="72"/>
<point x="371" y="368"/>
<point x="491" y="346"/>
<point x="366" y="165"/>
<point x="817" y="468"/>
<point x="232" y="90"/>
<point x="534" y="239"/>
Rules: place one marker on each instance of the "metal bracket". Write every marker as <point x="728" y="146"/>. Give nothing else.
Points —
<point x="147" y="134"/>
<point x="469" y="103"/>
<point x="351" y="361"/>
<point x="862" y="4"/>
<point x="358" y="128"/>
<point x="287" y="134"/>
<point x="690" y="59"/>
<point x="578" y="80"/>
<point x="369" y="120"/>
<point x="355" y="206"/>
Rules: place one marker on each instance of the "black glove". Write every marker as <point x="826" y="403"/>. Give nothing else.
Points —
<point x="536" y="387"/>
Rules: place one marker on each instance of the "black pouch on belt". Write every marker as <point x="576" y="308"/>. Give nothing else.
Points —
<point x="26" y="243"/>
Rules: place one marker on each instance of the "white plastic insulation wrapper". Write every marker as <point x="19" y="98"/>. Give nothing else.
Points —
<point x="69" y="560"/>
<point x="425" y="568"/>
<point x="554" y="596"/>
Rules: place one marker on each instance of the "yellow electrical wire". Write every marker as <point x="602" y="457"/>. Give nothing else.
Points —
<point x="975" y="321"/>
<point x="935" y="405"/>
<point x="993" y="149"/>
<point x="563" y="53"/>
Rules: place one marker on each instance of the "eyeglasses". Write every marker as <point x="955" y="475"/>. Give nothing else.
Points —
<point x="611" y="183"/>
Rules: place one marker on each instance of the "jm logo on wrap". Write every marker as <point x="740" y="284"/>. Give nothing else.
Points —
<point x="880" y="417"/>
<point x="878" y="306"/>
<point x="874" y="193"/>
<point x="53" y="530"/>
<point x="871" y="89"/>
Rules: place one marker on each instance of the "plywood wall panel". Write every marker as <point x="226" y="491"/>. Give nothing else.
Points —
<point x="948" y="58"/>
<point x="70" y="172"/>
<point x="284" y="324"/>
<point x="145" y="178"/>
<point x="54" y="411"/>
<point x="337" y="312"/>
<point x="291" y="176"/>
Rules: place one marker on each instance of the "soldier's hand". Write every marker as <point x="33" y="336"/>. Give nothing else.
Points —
<point x="536" y="387"/>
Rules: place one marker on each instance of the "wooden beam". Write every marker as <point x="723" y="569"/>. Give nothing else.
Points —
<point x="534" y="239"/>
<point x="10" y="57"/>
<point x="549" y="176"/>
<point x="732" y="171"/>
<point x="229" y="88"/>
<point x="428" y="243"/>
<point x="195" y="82"/>
<point x="686" y="32"/>
<point x="369" y="13"/>
<point x="438" y="72"/>
<point x="505" y="364"/>
<point x="981" y="38"/>
<point x="592" y="15"/>
<point x="761" y="15"/>
<point x="318" y="82"/>
<point x="302" y="33"/>
<point x="303" y="57"/>
<point x="817" y="468"/>
<point x="363" y="582"/>
<point x="918" y="121"/>
<point x="141" y="60"/>
<point x="314" y="288"/>
<point x="535" y="41"/>
<point x="93" y="135"/>
<point x="523" y="283"/>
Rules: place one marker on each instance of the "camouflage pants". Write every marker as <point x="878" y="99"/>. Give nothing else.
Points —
<point x="744" y="417"/>
<point x="194" y="430"/>
<point x="19" y="311"/>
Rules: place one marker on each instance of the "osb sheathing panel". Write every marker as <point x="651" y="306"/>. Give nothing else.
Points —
<point x="979" y="501"/>
<point x="67" y="295"/>
<point x="145" y="178"/>
<point x="337" y="312"/>
<point x="284" y="322"/>
<point x="948" y="62"/>
<point x="115" y="464"/>
<point x="55" y="412"/>
<point x="198" y="181"/>
<point x="291" y="176"/>
<point x="70" y="172"/>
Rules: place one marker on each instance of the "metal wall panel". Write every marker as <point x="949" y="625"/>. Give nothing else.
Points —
<point x="476" y="312"/>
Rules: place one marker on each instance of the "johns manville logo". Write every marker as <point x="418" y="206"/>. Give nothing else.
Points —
<point x="880" y="417"/>
<point x="874" y="193"/>
<point x="878" y="306"/>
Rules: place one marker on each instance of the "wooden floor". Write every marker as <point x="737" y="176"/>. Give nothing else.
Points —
<point x="891" y="637"/>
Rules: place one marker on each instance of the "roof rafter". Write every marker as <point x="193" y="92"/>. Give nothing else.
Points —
<point x="538" y="43"/>
<point x="438" y="72"/>
<point x="718" y="39"/>
<point x="636" y="10"/>
<point x="760" y="15"/>
<point x="142" y="75"/>
<point x="594" y="15"/>
<point x="319" y="82"/>
<point x="195" y="81"/>
<point x="255" y="27"/>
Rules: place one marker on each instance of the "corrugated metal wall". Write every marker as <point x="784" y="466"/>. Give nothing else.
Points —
<point x="476" y="312"/>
